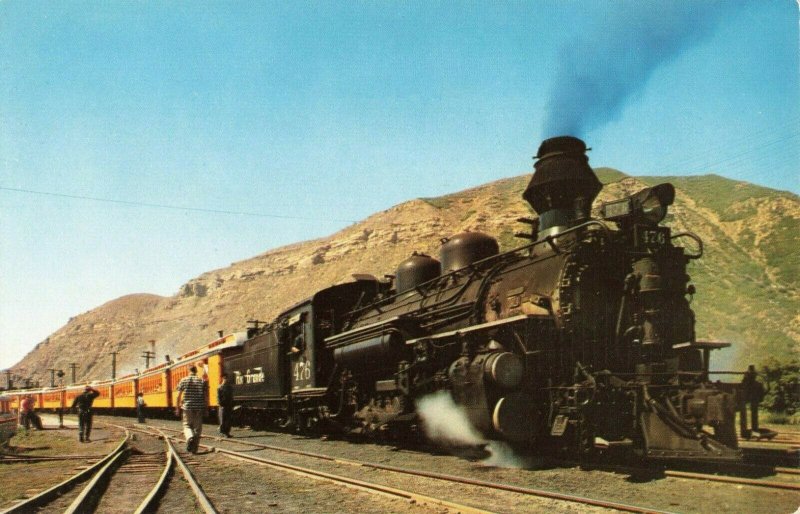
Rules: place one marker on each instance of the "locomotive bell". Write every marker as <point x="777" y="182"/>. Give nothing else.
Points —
<point x="563" y="185"/>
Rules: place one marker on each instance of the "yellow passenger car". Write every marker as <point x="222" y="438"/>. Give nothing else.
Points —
<point x="106" y="398"/>
<point x="53" y="399"/>
<point x="154" y="386"/>
<point x="208" y="360"/>
<point x="125" y="392"/>
<point x="70" y="393"/>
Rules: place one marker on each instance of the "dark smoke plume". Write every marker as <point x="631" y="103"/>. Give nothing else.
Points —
<point x="606" y="65"/>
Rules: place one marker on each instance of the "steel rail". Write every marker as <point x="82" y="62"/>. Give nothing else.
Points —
<point x="440" y="476"/>
<point x="87" y="499"/>
<point x="48" y="495"/>
<point x="352" y="482"/>
<point x="8" y="457"/>
<point x="733" y="480"/>
<point x="668" y="473"/>
<point x="201" y="496"/>
<point x="150" y="501"/>
<point x="365" y="486"/>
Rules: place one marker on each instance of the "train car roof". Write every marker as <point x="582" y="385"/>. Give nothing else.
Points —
<point x="228" y="341"/>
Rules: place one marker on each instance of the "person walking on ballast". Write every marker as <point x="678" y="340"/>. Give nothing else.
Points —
<point x="225" y="409"/>
<point x="192" y="398"/>
<point x="83" y="402"/>
<point x="140" y="405"/>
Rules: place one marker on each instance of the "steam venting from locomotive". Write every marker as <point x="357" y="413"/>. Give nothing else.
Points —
<point x="446" y="423"/>
<point x="597" y="74"/>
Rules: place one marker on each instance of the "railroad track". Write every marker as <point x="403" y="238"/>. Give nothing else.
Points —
<point x="51" y="495"/>
<point x="117" y="482"/>
<point x="153" y="470"/>
<point x="715" y="477"/>
<point x="762" y="482"/>
<point x="448" y="480"/>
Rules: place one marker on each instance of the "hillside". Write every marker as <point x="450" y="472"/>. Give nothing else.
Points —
<point x="747" y="283"/>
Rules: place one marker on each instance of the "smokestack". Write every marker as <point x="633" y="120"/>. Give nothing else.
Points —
<point x="563" y="185"/>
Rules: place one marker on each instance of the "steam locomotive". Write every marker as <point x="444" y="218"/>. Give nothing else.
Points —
<point x="581" y="340"/>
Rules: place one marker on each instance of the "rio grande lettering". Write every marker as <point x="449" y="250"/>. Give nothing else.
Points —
<point x="248" y="377"/>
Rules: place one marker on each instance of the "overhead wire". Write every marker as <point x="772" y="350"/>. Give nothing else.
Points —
<point x="743" y="155"/>
<point x="700" y="162"/>
<point x="171" y="207"/>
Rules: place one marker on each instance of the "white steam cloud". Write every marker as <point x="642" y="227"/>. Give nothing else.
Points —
<point x="447" y="424"/>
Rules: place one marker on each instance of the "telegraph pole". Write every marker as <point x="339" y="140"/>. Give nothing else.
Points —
<point x="9" y="383"/>
<point x="52" y="376"/>
<point x="113" y="365"/>
<point x="147" y="355"/>
<point x="73" y="366"/>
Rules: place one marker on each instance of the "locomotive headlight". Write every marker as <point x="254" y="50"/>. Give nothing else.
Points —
<point x="653" y="202"/>
<point x="648" y="206"/>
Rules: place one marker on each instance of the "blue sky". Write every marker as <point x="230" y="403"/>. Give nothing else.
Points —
<point x="313" y="115"/>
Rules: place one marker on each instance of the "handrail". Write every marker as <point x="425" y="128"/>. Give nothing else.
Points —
<point x="694" y="236"/>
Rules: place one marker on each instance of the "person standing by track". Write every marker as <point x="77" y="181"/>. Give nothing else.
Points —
<point x="192" y="396"/>
<point x="140" y="406"/>
<point x="26" y="412"/>
<point x="752" y="392"/>
<point x="83" y="403"/>
<point x="225" y="402"/>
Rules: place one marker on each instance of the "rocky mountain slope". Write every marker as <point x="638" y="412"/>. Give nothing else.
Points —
<point x="748" y="282"/>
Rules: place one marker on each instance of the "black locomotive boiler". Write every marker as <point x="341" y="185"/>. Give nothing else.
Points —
<point x="580" y="340"/>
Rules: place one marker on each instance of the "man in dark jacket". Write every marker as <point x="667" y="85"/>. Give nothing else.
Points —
<point x="225" y="402"/>
<point x="752" y="392"/>
<point x="83" y="403"/>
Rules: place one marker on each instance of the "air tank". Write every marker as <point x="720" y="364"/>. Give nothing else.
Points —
<point x="466" y="248"/>
<point x="416" y="270"/>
